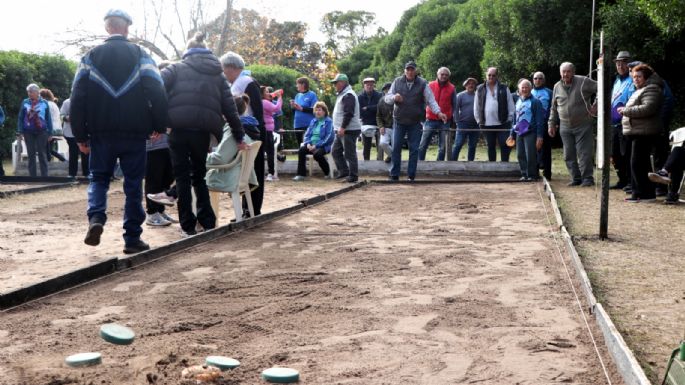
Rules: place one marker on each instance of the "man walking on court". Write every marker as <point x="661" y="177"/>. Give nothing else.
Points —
<point x="117" y="100"/>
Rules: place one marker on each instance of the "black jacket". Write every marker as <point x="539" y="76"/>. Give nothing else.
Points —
<point x="118" y="93"/>
<point x="199" y="96"/>
<point x="368" y="106"/>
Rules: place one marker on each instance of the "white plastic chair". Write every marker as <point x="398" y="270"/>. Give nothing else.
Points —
<point x="247" y="158"/>
<point x="277" y="141"/>
<point x="677" y="138"/>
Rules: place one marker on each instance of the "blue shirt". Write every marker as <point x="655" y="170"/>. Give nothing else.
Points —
<point x="306" y="100"/>
<point x="620" y="93"/>
<point x="544" y="95"/>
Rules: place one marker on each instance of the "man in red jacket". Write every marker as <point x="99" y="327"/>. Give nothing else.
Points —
<point x="445" y="95"/>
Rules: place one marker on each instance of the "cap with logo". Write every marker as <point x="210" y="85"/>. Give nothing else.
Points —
<point x="340" y="78"/>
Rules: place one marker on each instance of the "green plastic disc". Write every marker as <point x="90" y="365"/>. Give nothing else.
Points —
<point x="281" y="375"/>
<point x="84" y="359"/>
<point x="223" y="363"/>
<point x="117" y="334"/>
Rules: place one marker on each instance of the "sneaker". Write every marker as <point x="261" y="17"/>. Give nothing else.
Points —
<point x="269" y="178"/>
<point x="168" y="218"/>
<point x="327" y="176"/>
<point x="523" y="179"/>
<point x="351" y="179"/>
<point x="136" y="247"/>
<point x="156" y="219"/>
<point x="632" y="199"/>
<point x="388" y="159"/>
<point x="342" y="176"/>
<point x="275" y="178"/>
<point x="671" y="199"/>
<point x="393" y="178"/>
<point x="162" y="198"/>
<point x="280" y="158"/>
<point x="199" y="228"/>
<point x="410" y="178"/>
<point x="93" y="235"/>
<point x="660" y="176"/>
<point x="299" y="178"/>
<point x="587" y="183"/>
<point x="188" y="234"/>
<point x="574" y="183"/>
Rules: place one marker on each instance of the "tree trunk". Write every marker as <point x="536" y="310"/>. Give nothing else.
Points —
<point x="224" y="28"/>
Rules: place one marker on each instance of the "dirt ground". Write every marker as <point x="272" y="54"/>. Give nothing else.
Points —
<point x="638" y="273"/>
<point x="463" y="285"/>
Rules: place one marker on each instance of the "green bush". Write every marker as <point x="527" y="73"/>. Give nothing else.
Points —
<point x="17" y="70"/>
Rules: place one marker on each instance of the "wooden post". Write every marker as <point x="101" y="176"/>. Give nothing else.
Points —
<point x="605" y="83"/>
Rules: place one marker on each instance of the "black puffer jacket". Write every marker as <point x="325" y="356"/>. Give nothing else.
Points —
<point x="199" y="95"/>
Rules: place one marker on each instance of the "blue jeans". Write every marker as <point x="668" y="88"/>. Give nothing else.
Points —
<point x="527" y="155"/>
<point x="497" y="136"/>
<point x="430" y="128"/>
<point x="413" y="133"/>
<point x="462" y="136"/>
<point x="104" y="153"/>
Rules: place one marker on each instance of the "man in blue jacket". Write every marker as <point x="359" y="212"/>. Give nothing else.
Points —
<point x="117" y="101"/>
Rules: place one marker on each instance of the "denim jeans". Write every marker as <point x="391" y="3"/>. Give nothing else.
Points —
<point x="527" y="155"/>
<point x="500" y="137"/>
<point x="413" y="133"/>
<point x="104" y="153"/>
<point x="430" y="128"/>
<point x="462" y="136"/>
<point x="37" y="143"/>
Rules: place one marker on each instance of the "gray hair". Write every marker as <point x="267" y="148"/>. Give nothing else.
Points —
<point x="444" y="69"/>
<point x="115" y="24"/>
<point x="197" y="41"/>
<point x="567" y="64"/>
<point x="232" y="59"/>
<point x="540" y="74"/>
<point x="32" y="87"/>
<point x="525" y="81"/>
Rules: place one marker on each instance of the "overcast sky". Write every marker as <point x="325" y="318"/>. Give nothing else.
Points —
<point x="39" y="25"/>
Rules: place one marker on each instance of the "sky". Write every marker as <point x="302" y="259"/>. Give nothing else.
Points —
<point x="45" y="25"/>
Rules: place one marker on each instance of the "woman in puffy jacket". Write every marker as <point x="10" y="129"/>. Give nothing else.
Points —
<point x="642" y="125"/>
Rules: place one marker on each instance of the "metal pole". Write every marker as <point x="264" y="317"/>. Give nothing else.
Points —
<point x="605" y="116"/>
<point x="592" y="38"/>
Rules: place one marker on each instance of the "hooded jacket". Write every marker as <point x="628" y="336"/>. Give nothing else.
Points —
<point x="642" y="113"/>
<point x="199" y="95"/>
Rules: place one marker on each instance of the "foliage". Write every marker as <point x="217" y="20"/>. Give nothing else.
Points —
<point x="346" y="30"/>
<point x="448" y="50"/>
<point x="17" y="70"/>
<point x="667" y="15"/>
<point x="355" y="63"/>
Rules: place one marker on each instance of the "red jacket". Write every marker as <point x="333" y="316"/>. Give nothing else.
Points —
<point x="443" y="95"/>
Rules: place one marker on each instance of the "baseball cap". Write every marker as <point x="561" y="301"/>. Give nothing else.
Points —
<point x="340" y="78"/>
<point x="411" y="64"/>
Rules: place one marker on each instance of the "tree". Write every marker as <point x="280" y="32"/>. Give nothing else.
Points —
<point x="450" y="50"/>
<point x="668" y="16"/>
<point x="346" y="30"/>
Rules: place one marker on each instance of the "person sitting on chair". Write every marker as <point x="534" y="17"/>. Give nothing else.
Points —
<point x="671" y="174"/>
<point x="318" y="140"/>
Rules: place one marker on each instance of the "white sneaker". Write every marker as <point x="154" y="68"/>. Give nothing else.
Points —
<point x="299" y="178"/>
<point x="275" y="178"/>
<point x="156" y="220"/>
<point x="269" y="178"/>
<point x="168" y="218"/>
<point x="162" y="198"/>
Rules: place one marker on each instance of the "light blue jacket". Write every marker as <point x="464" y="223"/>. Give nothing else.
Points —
<point x="326" y="135"/>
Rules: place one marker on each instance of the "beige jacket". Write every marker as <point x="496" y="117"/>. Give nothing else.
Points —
<point x="642" y="114"/>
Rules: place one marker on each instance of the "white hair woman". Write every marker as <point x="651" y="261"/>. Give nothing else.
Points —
<point x="34" y="125"/>
<point x="528" y="129"/>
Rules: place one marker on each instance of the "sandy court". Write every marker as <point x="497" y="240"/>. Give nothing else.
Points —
<point x="388" y="284"/>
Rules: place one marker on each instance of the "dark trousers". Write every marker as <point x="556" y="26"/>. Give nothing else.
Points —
<point x="620" y="153"/>
<point x="270" y="153"/>
<point x="257" y="194"/>
<point x="491" y="137"/>
<point x="367" y="142"/>
<point x="319" y="156"/>
<point x="675" y="165"/>
<point x="159" y="175"/>
<point x="188" y="157"/>
<point x="104" y="153"/>
<point x="74" y="154"/>
<point x="344" y="153"/>
<point x="545" y="155"/>
<point x="299" y="135"/>
<point x="37" y="144"/>
<point x="661" y="150"/>
<point x="640" y="166"/>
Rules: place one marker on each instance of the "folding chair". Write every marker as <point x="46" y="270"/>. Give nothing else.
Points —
<point x="246" y="159"/>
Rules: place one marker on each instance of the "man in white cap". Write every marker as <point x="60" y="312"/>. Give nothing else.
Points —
<point x="368" y="106"/>
<point x="117" y="102"/>
<point x="446" y="97"/>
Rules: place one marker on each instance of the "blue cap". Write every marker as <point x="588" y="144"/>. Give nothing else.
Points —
<point x="119" y="13"/>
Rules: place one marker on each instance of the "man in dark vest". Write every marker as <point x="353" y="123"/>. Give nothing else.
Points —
<point x="410" y="94"/>
<point x="494" y="110"/>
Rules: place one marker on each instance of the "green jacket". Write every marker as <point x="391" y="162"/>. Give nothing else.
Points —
<point x="642" y="113"/>
<point x="226" y="180"/>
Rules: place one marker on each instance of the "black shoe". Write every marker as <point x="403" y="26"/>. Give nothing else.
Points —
<point x="574" y="183"/>
<point x="628" y="188"/>
<point x="280" y="158"/>
<point x="393" y="178"/>
<point x="351" y="179"/>
<point x="388" y="159"/>
<point x="93" y="234"/>
<point x="410" y="179"/>
<point x="136" y="247"/>
<point x="660" y="177"/>
<point x="342" y="176"/>
<point x="671" y="199"/>
<point x="587" y="183"/>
